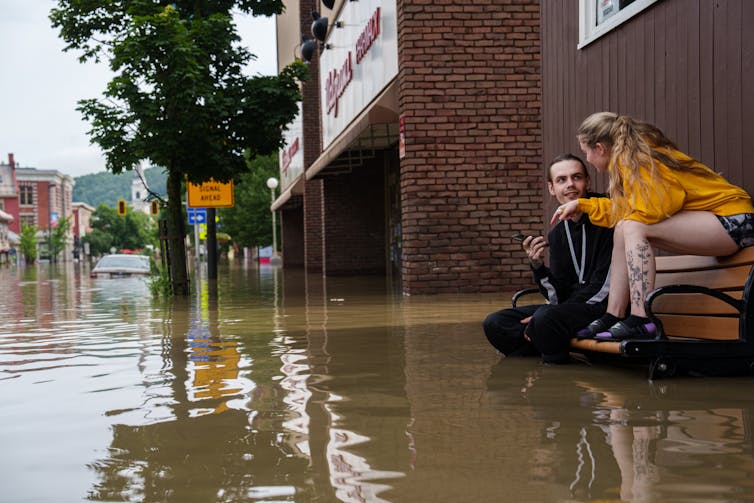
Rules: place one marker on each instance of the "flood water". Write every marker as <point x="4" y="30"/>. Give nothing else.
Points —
<point x="271" y="386"/>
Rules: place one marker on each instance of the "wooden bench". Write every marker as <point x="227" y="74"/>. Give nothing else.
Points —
<point x="704" y="311"/>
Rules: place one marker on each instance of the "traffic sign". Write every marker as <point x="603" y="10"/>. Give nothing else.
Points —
<point x="210" y="194"/>
<point x="197" y="215"/>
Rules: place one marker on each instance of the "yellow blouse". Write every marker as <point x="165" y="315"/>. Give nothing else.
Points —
<point x="685" y="191"/>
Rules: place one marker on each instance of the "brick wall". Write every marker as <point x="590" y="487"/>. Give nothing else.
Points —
<point x="313" y="198"/>
<point x="314" y="225"/>
<point x="292" y="231"/>
<point x="472" y="175"/>
<point x="355" y="216"/>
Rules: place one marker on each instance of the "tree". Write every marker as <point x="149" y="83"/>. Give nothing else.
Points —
<point x="28" y="243"/>
<point x="179" y="97"/>
<point x="249" y="221"/>
<point x="104" y="187"/>
<point x="58" y="236"/>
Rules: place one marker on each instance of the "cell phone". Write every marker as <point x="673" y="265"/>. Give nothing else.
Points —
<point x="520" y="237"/>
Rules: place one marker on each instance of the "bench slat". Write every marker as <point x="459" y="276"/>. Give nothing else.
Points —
<point x="693" y="262"/>
<point x="694" y="303"/>
<point x="593" y="345"/>
<point x="731" y="278"/>
<point x="700" y="327"/>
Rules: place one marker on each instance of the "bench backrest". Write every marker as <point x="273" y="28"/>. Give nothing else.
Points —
<point x="701" y="316"/>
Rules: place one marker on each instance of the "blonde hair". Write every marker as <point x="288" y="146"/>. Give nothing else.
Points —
<point x="634" y="145"/>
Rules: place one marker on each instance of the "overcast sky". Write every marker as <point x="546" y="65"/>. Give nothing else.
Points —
<point x="40" y="86"/>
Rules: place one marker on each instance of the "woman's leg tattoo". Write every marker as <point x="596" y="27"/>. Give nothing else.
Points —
<point x="637" y="261"/>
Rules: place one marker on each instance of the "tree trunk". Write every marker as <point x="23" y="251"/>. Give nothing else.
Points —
<point x="176" y="237"/>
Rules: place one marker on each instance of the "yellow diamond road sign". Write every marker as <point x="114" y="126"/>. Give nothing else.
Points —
<point x="210" y="194"/>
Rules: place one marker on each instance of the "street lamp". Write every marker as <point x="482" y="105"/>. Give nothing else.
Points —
<point x="275" y="259"/>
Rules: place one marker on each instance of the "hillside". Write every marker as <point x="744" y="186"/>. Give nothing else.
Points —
<point x="105" y="187"/>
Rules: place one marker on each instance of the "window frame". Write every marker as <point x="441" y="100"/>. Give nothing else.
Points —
<point x="26" y="194"/>
<point x="27" y="220"/>
<point x="589" y="30"/>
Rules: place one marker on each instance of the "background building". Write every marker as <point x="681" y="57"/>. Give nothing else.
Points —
<point x="5" y="238"/>
<point x="37" y="197"/>
<point x="139" y="192"/>
<point x="418" y="143"/>
<point x="82" y="225"/>
<point x="9" y="190"/>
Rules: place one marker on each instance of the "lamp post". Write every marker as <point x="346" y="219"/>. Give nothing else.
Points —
<point x="51" y="215"/>
<point x="275" y="259"/>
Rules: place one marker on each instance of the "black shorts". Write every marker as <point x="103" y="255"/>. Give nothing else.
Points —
<point x="740" y="227"/>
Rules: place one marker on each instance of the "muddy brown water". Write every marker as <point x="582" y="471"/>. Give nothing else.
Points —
<point x="273" y="386"/>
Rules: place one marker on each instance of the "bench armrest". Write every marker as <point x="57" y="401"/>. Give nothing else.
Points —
<point x="522" y="293"/>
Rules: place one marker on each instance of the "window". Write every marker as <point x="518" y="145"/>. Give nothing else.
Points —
<point x="597" y="17"/>
<point x="26" y="195"/>
<point x="27" y="221"/>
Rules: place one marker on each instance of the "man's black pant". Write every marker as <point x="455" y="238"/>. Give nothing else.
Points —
<point x="551" y="328"/>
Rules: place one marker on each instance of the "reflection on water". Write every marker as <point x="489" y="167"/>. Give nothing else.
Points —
<point x="269" y="385"/>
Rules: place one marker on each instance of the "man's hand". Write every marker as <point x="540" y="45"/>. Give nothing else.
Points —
<point x="535" y="250"/>
<point x="526" y="321"/>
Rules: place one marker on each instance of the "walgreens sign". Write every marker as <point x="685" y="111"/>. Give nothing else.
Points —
<point x="338" y="80"/>
<point x="361" y="61"/>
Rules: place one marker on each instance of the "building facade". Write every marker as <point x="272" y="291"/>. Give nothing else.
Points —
<point x="417" y="152"/>
<point x="36" y="197"/>
<point x="9" y="191"/>
<point x="82" y="225"/>
<point x="425" y="127"/>
<point x="5" y="238"/>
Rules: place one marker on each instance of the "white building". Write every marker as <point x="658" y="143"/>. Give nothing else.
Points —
<point x="139" y="192"/>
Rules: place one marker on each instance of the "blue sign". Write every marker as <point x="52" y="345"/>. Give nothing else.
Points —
<point x="197" y="216"/>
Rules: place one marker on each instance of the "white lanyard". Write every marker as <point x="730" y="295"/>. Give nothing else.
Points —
<point x="579" y="270"/>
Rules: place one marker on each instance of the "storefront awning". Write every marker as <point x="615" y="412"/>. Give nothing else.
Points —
<point x="294" y="189"/>
<point x="383" y="111"/>
<point x="374" y="128"/>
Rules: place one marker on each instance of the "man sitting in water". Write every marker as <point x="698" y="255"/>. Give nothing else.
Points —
<point x="575" y="284"/>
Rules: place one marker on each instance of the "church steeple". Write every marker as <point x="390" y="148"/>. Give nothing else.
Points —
<point x="139" y="191"/>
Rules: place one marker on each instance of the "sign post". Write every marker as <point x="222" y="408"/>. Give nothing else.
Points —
<point x="210" y="195"/>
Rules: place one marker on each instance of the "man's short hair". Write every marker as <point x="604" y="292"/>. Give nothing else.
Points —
<point x="566" y="157"/>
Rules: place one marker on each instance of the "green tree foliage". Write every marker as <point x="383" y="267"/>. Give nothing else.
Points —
<point x="179" y="97"/>
<point x="28" y="243"/>
<point x="57" y="238"/>
<point x="134" y="231"/>
<point x="105" y="187"/>
<point x="249" y="222"/>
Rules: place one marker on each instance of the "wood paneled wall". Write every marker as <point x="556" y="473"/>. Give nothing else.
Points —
<point x="685" y="65"/>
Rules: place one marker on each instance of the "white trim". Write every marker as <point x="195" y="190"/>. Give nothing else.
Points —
<point x="589" y="30"/>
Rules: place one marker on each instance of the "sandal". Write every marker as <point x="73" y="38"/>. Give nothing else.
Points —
<point x="599" y="325"/>
<point x="621" y="332"/>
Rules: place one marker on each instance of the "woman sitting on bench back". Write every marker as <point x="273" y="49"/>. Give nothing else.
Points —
<point x="659" y="197"/>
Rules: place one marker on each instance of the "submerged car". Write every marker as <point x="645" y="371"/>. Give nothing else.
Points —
<point x="121" y="265"/>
